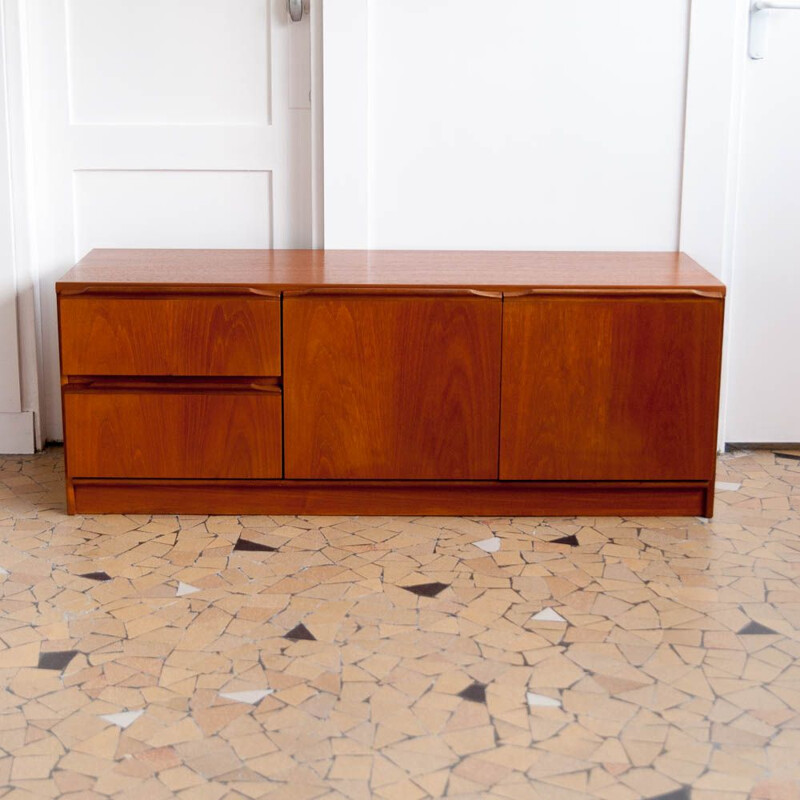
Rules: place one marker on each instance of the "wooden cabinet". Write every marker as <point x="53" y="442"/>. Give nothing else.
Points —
<point x="393" y="386"/>
<point x="341" y="382"/>
<point x="609" y="387"/>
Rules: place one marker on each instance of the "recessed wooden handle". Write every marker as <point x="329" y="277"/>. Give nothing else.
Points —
<point x="153" y="291"/>
<point x="178" y="385"/>
<point x="399" y="291"/>
<point x="611" y="292"/>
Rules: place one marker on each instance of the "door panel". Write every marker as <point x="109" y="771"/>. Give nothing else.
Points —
<point x="609" y="388"/>
<point x="392" y="387"/>
<point x="451" y="155"/>
<point x="173" y="434"/>
<point x="764" y="368"/>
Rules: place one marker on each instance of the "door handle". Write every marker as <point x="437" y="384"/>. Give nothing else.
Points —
<point x="759" y="18"/>
<point x="296" y="8"/>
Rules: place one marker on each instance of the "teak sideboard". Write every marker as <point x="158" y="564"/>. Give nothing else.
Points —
<point x="389" y="382"/>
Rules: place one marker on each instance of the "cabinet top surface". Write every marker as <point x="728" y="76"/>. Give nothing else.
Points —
<point x="483" y="270"/>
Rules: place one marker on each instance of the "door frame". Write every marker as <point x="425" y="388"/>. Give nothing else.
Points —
<point x="20" y="365"/>
<point x="717" y="58"/>
<point x="22" y="422"/>
<point x="345" y="44"/>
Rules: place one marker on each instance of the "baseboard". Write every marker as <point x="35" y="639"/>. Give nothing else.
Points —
<point x="16" y="433"/>
<point x="415" y="498"/>
<point x="762" y="446"/>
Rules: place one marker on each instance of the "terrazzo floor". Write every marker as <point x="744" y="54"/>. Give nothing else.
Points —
<point x="401" y="658"/>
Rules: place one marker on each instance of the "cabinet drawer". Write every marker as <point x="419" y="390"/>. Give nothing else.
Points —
<point x="170" y="335"/>
<point x="173" y="433"/>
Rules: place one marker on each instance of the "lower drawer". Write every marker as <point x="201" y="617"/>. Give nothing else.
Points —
<point x="134" y="433"/>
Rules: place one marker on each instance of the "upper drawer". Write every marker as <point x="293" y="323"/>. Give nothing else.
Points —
<point x="170" y="335"/>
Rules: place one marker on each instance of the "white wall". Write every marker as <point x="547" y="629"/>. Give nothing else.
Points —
<point x="528" y="124"/>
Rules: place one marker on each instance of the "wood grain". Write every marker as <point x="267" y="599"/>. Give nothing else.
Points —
<point x="286" y="269"/>
<point x="171" y="379"/>
<point x="474" y="498"/>
<point x="170" y="335"/>
<point x="173" y="434"/>
<point x="610" y="388"/>
<point x="391" y="386"/>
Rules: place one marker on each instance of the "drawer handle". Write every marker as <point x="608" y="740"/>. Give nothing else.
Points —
<point x="614" y="292"/>
<point x="266" y="388"/>
<point x="189" y="385"/>
<point x="398" y="291"/>
<point x="154" y="291"/>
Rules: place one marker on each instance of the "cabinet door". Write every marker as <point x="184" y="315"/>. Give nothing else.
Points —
<point x="610" y="388"/>
<point x="392" y="386"/>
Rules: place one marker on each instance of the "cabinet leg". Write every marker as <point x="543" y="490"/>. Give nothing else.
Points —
<point x="70" y="497"/>
<point x="708" y="503"/>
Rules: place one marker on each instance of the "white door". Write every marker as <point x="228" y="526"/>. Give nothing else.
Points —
<point x="522" y="124"/>
<point x="764" y="361"/>
<point x="165" y="123"/>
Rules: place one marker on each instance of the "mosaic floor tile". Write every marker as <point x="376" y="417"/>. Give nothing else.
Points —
<point x="300" y="633"/>
<point x="542" y="700"/>
<point x="489" y="545"/>
<point x="251" y="697"/>
<point x="123" y="719"/>
<point x="548" y="615"/>
<point x="679" y="794"/>
<point x="476" y="692"/>
<point x="56" y="659"/>
<point x="95" y="576"/>
<point x="569" y="658"/>
<point x="253" y="547"/>
<point x="570" y="540"/>
<point x="426" y="589"/>
<point x="756" y="628"/>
